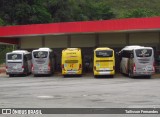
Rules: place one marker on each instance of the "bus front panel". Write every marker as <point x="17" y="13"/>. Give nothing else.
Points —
<point x="71" y="63"/>
<point x="104" y="62"/>
<point x="41" y="62"/>
<point x="143" y="62"/>
<point x="14" y="63"/>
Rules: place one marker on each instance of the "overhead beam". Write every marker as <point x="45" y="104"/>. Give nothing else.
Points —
<point x="9" y="40"/>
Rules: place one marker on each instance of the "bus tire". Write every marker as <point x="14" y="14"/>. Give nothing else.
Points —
<point x="95" y="76"/>
<point x="148" y="76"/>
<point x="64" y="76"/>
<point x="80" y="75"/>
<point x="112" y="76"/>
<point x="11" y="75"/>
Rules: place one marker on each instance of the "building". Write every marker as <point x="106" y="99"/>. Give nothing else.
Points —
<point x="87" y="35"/>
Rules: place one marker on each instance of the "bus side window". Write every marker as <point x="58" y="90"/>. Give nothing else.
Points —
<point x="28" y="57"/>
<point x="125" y="54"/>
<point x="120" y="55"/>
<point x="131" y="55"/>
<point x="50" y="55"/>
<point x="25" y="58"/>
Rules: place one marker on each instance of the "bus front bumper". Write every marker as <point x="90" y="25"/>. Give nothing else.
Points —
<point x="110" y="72"/>
<point x="72" y="72"/>
<point x="143" y="73"/>
<point x="18" y="71"/>
<point x="41" y="72"/>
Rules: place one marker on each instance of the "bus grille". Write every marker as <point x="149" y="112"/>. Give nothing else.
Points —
<point x="40" y="62"/>
<point x="104" y="60"/>
<point x="71" y="61"/>
<point x="103" y="70"/>
<point x="143" y="61"/>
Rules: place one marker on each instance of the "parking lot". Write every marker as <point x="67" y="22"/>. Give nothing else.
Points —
<point x="79" y="92"/>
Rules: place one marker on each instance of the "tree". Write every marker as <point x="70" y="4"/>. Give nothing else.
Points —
<point x="101" y="11"/>
<point x="24" y="12"/>
<point x="139" y="13"/>
<point x="78" y="10"/>
<point x="1" y="22"/>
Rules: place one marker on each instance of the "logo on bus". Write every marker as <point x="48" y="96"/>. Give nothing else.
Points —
<point x="14" y="57"/>
<point x="144" y="52"/>
<point x="40" y="54"/>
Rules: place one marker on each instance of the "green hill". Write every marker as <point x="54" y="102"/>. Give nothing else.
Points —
<point x="20" y="12"/>
<point x="121" y="7"/>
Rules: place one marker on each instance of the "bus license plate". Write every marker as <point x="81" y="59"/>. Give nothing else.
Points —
<point x="71" y="72"/>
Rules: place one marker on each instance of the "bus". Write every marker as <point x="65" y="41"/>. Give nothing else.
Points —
<point x="104" y="61"/>
<point x="71" y="61"/>
<point x="43" y="61"/>
<point x="137" y="61"/>
<point x="18" y="62"/>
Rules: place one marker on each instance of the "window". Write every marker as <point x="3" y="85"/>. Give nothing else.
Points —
<point x="14" y="56"/>
<point x="29" y="57"/>
<point x="104" y="53"/>
<point x="40" y="54"/>
<point x="144" y="52"/>
<point x="127" y="54"/>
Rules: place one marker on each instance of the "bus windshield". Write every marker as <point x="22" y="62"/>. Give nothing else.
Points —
<point x="143" y="52"/>
<point x="104" y="53"/>
<point x="14" y="56"/>
<point x="40" y="54"/>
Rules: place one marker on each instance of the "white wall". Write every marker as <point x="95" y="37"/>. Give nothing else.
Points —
<point x="112" y="39"/>
<point x="56" y="41"/>
<point x="89" y="40"/>
<point x="84" y="40"/>
<point x="31" y="42"/>
<point x="142" y="38"/>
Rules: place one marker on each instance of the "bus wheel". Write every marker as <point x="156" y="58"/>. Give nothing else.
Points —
<point x="95" y="76"/>
<point x="64" y="76"/>
<point x="11" y="75"/>
<point x="25" y="74"/>
<point x="112" y="76"/>
<point x="148" y="76"/>
<point x="80" y="75"/>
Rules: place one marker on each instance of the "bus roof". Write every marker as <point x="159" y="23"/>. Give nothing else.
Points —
<point x="72" y="49"/>
<point x="20" y="51"/>
<point x="47" y="49"/>
<point x="103" y="48"/>
<point x="135" y="47"/>
<point x="43" y="49"/>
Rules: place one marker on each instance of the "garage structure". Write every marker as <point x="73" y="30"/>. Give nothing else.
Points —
<point x="87" y="35"/>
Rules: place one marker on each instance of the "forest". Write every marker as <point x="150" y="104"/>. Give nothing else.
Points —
<point x="21" y="12"/>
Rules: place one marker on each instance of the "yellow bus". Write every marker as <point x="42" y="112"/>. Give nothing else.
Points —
<point x="104" y="61"/>
<point x="71" y="61"/>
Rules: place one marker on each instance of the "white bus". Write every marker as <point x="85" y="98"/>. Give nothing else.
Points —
<point x="137" y="61"/>
<point x="43" y="61"/>
<point x="18" y="62"/>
